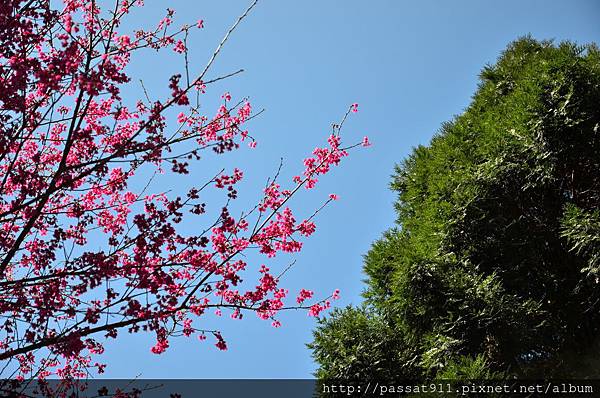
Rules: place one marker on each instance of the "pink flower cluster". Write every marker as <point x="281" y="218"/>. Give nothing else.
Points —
<point x="322" y="161"/>
<point x="89" y="249"/>
<point x="304" y="295"/>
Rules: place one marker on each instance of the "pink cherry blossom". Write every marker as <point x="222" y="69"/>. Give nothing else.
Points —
<point x="179" y="47"/>
<point x="304" y="295"/>
<point x="95" y="241"/>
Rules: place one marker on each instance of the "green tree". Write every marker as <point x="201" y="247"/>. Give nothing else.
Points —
<point x="493" y="268"/>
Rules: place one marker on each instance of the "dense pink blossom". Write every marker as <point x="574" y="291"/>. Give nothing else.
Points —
<point x="90" y="248"/>
<point x="316" y="309"/>
<point x="304" y="295"/>
<point x="179" y="47"/>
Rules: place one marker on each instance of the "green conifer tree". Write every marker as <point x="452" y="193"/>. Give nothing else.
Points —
<point x="493" y="268"/>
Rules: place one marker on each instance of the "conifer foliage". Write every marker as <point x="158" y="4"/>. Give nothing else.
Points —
<point x="493" y="267"/>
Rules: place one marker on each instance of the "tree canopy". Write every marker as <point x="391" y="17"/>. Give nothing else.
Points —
<point x="101" y="235"/>
<point x="493" y="266"/>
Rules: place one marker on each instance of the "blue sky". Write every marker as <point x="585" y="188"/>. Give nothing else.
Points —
<point x="409" y="64"/>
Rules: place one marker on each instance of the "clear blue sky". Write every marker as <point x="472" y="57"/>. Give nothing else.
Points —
<point x="409" y="64"/>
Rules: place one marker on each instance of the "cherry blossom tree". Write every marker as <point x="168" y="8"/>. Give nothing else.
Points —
<point x="71" y="145"/>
